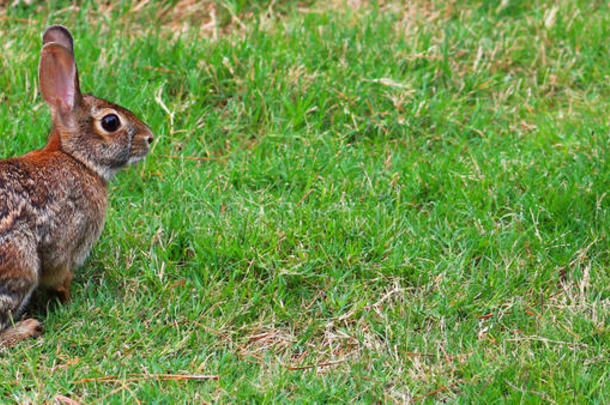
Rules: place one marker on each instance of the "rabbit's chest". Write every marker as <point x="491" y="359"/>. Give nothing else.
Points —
<point x="69" y="231"/>
<point x="70" y="244"/>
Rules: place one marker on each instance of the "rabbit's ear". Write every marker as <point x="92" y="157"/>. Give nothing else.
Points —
<point x="60" y="35"/>
<point x="59" y="78"/>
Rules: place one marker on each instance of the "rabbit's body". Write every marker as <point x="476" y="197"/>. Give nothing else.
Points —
<point x="53" y="200"/>
<point x="51" y="214"/>
<point x="47" y="196"/>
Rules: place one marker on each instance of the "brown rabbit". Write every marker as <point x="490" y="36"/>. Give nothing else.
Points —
<point x="53" y="200"/>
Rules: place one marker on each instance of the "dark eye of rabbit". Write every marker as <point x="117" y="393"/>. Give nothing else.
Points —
<point x="111" y="122"/>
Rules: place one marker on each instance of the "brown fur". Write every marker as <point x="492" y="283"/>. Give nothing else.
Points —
<point x="53" y="200"/>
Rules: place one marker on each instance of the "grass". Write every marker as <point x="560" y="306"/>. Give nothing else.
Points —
<point x="396" y="202"/>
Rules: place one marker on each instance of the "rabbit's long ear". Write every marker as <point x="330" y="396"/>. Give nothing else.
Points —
<point x="59" y="78"/>
<point x="60" y="35"/>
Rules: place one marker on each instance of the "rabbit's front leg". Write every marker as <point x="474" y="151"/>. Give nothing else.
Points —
<point x="57" y="280"/>
<point x="63" y="289"/>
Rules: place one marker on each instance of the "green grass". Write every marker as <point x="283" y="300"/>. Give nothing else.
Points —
<point x="409" y="199"/>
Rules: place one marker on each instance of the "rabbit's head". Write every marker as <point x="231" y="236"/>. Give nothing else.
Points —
<point x="103" y="136"/>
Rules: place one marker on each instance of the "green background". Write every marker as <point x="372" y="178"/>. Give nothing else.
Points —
<point x="345" y="201"/>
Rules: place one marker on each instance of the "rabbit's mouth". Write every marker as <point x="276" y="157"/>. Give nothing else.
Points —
<point x="140" y="145"/>
<point x="138" y="151"/>
<point x="134" y="159"/>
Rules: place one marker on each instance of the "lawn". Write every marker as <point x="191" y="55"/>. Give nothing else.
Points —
<point x="345" y="201"/>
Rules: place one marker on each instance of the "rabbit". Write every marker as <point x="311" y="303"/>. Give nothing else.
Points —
<point x="53" y="200"/>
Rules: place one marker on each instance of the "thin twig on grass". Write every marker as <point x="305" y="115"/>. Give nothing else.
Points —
<point x="305" y="196"/>
<point x="546" y="340"/>
<point x="145" y="377"/>
<point x="414" y="354"/>
<point x="200" y="158"/>
<point x="442" y="388"/>
<point x="215" y="332"/>
<point x="523" y="391"/>
<point x="17" y="19"/>
<point x="460" y="357"/>
<point x="319" y="365"/>
<point x="158" y="69"/>
<point x="445" y="355"/>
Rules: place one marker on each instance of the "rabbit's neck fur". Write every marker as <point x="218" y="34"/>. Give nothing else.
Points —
<point x="55" y="144"/>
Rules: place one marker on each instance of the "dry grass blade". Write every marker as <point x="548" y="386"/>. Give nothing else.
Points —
<point x="442" y="388"/>
<point x="305" y="196"/>
<point x="17" y="19"/>
<point x="201" y="158"/>
<point x="65" y="400"/>
<point x="545" y="340"/>
<point x="158" y="69"/>
<point x="319" y="365"/>
<point x="144" y="377"/>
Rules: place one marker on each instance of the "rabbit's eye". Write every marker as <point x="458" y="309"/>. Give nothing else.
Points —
<point x="111" y="122"/>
